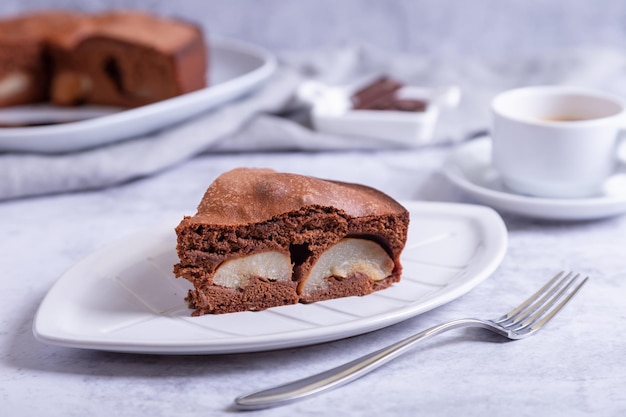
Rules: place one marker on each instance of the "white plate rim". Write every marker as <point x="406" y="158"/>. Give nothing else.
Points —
<point x="41" y="139"/>
<point x="491" y="224"/>
<point x="538" y="207"/>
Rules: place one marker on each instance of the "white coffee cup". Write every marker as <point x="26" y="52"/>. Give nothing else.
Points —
<point x="556" y="141"/>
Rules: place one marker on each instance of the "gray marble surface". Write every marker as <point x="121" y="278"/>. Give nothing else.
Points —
<point x="574" y="367"/>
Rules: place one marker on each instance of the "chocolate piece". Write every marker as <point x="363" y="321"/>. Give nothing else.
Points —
<point x="376" y="93"/>
<point x="247" y="212"/>
<point x="410" y="105"/>
<point x="382" y="95"/>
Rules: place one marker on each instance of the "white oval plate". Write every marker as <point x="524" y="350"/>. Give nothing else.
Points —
<point x="469" y="167"/>
<point x="235" y="69"/>
<point x="125" y="298"/>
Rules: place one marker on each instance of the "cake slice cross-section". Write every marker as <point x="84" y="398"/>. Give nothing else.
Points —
<point x="262" y="239"/>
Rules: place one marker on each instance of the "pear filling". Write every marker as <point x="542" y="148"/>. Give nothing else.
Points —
<point x="14" y="83"/>
<point x="236" y="273"/>
<point x="71" y="88"/>
<point x="347" y="257"/>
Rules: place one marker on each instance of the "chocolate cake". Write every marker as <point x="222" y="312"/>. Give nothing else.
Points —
<point x="123" y="59"/>
<point x="24" y="61"/>
<point x="262" y="239"/>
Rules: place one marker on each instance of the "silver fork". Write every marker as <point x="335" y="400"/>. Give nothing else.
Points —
<point x="519" y="323"/>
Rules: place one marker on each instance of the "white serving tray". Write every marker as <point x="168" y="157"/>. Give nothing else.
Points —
<point x="125" y="297"/>
<point x="235" y="69"/>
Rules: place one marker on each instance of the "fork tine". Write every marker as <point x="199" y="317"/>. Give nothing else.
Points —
<point x="547" y="301"/>
<point x="533" y="314"/>
<point x="540" y="306"/>
<point x="532" y="299"/>
<point x="540" y="321"/>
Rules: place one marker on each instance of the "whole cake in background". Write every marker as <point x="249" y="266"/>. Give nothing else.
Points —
<point x="123" y="58"/>
<point x="262" y="239"/>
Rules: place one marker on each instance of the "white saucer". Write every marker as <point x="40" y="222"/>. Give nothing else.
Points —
<point x="469" y="167"/>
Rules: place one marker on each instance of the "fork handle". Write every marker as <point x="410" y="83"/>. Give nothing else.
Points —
<point x="343" y="374"/>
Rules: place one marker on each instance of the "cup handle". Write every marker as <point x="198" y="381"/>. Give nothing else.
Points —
<point x="621" y="153"/>
<point x="621" y="146"/>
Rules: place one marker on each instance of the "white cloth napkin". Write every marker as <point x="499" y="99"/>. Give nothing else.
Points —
<point x="269" y="120"/>
<point x="33" y="174"/>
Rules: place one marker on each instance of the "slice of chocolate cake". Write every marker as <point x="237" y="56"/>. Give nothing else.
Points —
<point x="262" y="239"/>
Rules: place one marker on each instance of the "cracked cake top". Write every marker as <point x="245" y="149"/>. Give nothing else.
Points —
<point x="249" y="195"/>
